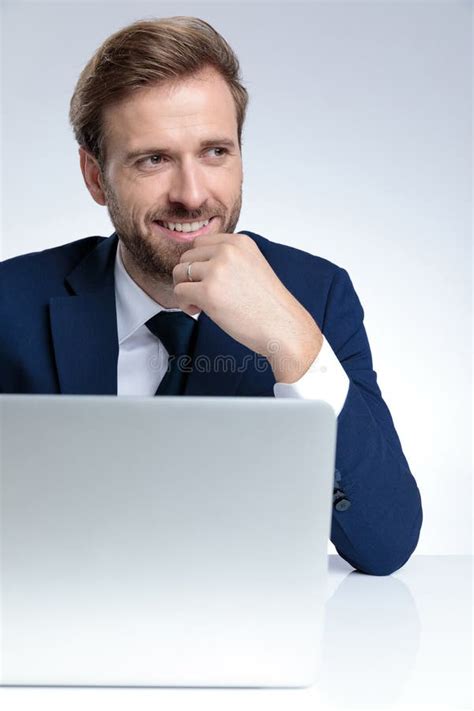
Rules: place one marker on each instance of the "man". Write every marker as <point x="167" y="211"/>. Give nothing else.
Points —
<point x="158" y="115"/>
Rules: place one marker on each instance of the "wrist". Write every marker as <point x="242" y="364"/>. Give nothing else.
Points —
<point x="291" y="360"/>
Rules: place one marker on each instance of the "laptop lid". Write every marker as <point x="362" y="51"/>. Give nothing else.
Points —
<point x="167" y="541"/>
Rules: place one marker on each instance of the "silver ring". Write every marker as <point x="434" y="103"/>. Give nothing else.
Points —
<point x="188" y="272"/>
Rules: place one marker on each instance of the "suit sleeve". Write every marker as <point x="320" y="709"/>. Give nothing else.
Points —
<point x="377" y="512"/>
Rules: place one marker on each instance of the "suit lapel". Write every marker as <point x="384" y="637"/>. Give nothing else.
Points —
<point x="84" y="326"/>
<point x="85" y="340"/>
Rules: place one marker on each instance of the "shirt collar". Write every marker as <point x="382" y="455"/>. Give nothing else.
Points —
<point x="133" y="305"/>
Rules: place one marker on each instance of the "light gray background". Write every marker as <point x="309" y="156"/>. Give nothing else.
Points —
<point x="357" y="147"/>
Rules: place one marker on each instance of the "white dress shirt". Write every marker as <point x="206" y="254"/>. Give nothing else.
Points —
<point x="143" y="359"/>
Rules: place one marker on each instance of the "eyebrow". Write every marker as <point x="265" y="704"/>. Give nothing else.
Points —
<point x="131" y="155"/>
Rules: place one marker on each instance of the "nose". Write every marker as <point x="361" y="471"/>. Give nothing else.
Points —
<point x="188" y="186"/>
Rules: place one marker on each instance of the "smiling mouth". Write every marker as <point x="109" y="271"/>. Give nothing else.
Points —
<point x="184" y="226"/>
<point x="185" y="231"/>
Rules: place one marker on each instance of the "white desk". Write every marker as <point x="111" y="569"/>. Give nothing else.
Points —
<point x="400" y="641"/>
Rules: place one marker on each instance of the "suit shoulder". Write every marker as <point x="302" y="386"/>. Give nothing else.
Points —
<point x="293" y="260"/>
<point x="47" y="263"/>
<point x="53" y="258"/>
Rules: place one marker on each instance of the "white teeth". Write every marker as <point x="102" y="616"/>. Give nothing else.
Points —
<point x="185" y="227"/>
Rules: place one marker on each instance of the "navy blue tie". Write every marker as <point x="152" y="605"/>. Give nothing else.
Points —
<point x="177" y="331"/>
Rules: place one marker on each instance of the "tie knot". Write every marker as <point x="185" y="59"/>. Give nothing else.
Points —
<point x="174" y="329"/>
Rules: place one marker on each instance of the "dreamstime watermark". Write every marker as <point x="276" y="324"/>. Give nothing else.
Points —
<point x="227" y="363"/>
<point x="206" y="364"/>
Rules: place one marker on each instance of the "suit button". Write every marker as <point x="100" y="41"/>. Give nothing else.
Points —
<point x="343" y="505"/>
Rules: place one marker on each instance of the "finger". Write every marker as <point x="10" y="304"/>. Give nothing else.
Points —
<point x="238" y="239"/>
<point x="198" y="272"/>
<point x="192" y="310"/>
<point x="188" y="295"/>
<point x="199" y="254"/>
<point x="212" y="238"/>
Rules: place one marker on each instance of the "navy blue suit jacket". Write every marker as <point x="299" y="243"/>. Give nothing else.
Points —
<point x="59" y="335"/>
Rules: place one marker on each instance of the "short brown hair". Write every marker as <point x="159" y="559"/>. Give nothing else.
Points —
<point x="145" y="53"/>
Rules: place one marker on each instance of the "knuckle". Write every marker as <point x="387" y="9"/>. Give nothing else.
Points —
<point x="180" y="273"/>
<point x="199" y="240"/>
<point x="226" y="252"/>
<point x="179" y="289"/>
<point x="219" y="270"/>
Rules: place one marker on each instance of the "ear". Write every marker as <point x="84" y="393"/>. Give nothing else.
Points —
<point x="92" y="176"/>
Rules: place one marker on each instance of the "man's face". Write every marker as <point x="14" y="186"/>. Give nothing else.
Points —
<point x="172" y="155"/>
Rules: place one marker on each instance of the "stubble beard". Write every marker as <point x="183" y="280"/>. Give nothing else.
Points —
<point x="156" y="256"/>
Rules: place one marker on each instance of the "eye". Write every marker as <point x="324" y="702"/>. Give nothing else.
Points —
<point x="223" y="151"/>
<point x="152" y="161"/>
<point x="149" y="160"/>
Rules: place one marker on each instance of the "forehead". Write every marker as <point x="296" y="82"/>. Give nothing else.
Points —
<point x="180" y="112"/>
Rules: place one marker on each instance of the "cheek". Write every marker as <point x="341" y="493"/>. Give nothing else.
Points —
<point x="131" y="188"/>
<point x="138" y="198"/>
<point x="226" y="185"/>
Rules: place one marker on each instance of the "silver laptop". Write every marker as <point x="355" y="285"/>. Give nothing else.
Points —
<point x="167" y="541"/>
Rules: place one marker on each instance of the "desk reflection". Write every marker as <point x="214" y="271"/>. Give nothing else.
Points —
<point x="370" y="641"/>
